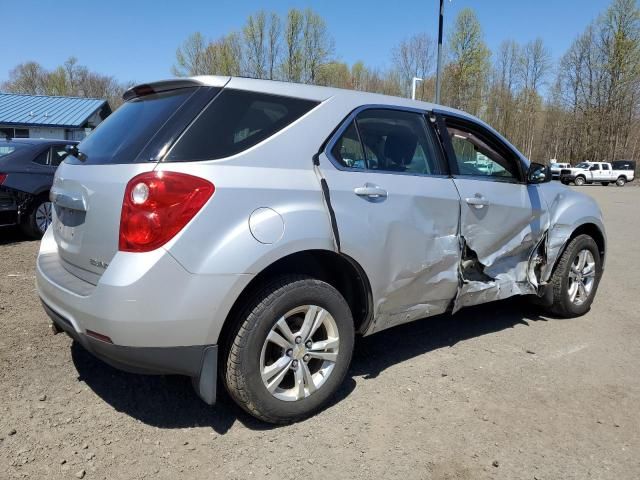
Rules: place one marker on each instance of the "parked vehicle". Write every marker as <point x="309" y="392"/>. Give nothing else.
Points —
<point x="249" y="229"/>
<point x="555" y="168"/>
<point x="27" y="167"/>
<point x="596" y="172"/>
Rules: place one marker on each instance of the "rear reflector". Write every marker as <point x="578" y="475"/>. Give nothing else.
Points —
<point x="98" y="336"/>
<point x="157" y="205"/>
<point x="3" y="177"/>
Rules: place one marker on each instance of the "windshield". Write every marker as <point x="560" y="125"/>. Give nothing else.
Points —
<point x="583" y="165"/>
<point x="125" y="133"/>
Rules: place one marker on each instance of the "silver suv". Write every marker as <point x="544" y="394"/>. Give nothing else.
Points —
<point x="247" y="230"/>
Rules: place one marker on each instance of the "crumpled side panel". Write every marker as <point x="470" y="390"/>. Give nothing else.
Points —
<point x="433" y="281"/>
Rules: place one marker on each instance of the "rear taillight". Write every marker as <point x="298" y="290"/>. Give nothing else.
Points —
<point x="157" y="205"/>
<point x="3" y="177"/>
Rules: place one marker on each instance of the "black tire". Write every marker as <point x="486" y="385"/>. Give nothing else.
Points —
<point x="31" y="224"/>
<point x="579" y="181"/>
<point x="242" y="355"/>
<point x="561" y="304"/>
<point x="620" y="182"/>
<point x="565" y="182"/>
<point x="605" y="184"/>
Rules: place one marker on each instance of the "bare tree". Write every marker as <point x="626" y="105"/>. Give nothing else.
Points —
<point x="414" y="57"/>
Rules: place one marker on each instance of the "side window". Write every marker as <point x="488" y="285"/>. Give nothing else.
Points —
<point x="605" y="166"/>
<point x="397" y="141"/>
<point x="348" y="149"/>
<point x="595" y="167"/>
<point x="235" y="121"/>
<point x="58" y="154"/>
<point x="42" y="158"/>
<point x="477" y="156"/>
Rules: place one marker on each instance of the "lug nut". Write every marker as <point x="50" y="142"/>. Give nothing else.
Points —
<point x="298" y="340"/>
<point x="294" y="364"/>
<point x="307" y="357"/>
<point x="289" y="352"/>
<point x="308" y="344"/>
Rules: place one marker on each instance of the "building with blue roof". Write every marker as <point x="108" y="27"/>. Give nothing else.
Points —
<point x="44" y="116"/>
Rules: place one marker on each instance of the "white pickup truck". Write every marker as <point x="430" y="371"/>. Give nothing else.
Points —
<point x="599" y="172"/>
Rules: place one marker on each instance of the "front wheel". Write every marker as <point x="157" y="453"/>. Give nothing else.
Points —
<point x="576" y="278"/>
<point x="579" y="181"/>
<point x="291" y="350"/>
<point x="620" y="182"/>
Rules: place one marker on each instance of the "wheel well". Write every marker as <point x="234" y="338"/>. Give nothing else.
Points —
<point x="340" y="271"/>
<point x="594" y="232"/>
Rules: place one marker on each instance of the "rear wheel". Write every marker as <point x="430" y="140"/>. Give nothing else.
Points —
<point x="579" y="181"/>
<point x="576" y="278"/>
<point x="620" y="182"/>
<point x="291" y="349"/>
<point x="39" y="218"/>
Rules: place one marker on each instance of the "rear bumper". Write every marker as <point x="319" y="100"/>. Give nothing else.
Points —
<point x="198" y="361"/>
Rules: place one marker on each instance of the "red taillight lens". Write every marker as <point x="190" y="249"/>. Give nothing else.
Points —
<point x="3" y="177"/>
<point x="157" y="205"/>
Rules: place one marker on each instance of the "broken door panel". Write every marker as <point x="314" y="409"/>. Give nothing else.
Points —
<point x="502" y="224"/>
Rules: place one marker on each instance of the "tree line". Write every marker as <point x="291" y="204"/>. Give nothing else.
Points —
<point x="69" y="79"/>
<point x="584" y="106"/>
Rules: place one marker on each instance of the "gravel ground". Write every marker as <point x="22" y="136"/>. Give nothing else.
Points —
<point x="492" y="392"/>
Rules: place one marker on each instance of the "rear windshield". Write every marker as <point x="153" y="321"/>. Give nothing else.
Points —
<point x="8" y="149"/>
<point x="124" y="134"/>
<point x="235" y="121"/>
<point x="623" y="165"/>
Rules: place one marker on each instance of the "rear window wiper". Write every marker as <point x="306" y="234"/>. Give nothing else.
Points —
<point x="73" y="151"/>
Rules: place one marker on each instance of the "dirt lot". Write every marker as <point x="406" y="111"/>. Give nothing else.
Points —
<point x="493" y="392"/>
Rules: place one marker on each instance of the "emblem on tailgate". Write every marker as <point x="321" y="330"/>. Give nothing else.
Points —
<point x="98" y="263"/>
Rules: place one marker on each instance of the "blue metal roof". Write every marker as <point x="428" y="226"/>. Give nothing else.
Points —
<point x="43" y="110"/>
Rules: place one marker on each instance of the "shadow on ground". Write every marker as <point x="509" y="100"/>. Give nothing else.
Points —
<point x="13" y="234"/>
<point x="170" y="402"/>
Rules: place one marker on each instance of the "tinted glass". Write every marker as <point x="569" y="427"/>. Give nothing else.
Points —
<point x="7" y="149"/>
<point x="477" y="156"/>
<point x="348" y="149"/>
<point x="397" y="141"/>
<point x="58" y="154"/>
<point x="123" y="135"/>
<point x="605" y="166"/>
<point x="42" y="158"/>
<point x="235" y="121"/>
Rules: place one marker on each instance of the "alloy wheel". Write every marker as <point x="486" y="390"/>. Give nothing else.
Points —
<point x="299" y="353"/>
<point x="582" y="277"/>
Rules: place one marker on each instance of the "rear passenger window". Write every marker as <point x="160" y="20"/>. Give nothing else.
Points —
<point x="43" y="158"/>
<point x="397" y="141"/>
<point x="348" y="149"/>
<point x="235" y="121"/>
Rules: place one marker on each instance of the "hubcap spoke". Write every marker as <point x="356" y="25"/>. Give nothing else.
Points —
<point x="283" y="326"/>
<point x="274" y="373"/>
<point x="573" y="290"/>
<point x="328" y="344"/>
<point x="276" y="338"/>
<point x="308" y="378"/>
<point x="330" y="356"/>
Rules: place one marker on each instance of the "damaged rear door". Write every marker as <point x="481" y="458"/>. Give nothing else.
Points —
<point x="503" y="220"/>
<point x="396" y="211"/>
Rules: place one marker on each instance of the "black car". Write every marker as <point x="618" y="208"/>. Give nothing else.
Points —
<point x="27" y="167"/>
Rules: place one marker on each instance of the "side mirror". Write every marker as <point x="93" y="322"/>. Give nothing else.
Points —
<point x="538" y="173"/>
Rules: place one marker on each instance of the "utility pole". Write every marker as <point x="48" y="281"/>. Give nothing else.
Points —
<point x="413" y="87"/>
<point x="439" y="68"/>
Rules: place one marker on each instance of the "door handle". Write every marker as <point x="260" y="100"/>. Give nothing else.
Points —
<point x="477" y="202"/>
<point x="371" y="192"/>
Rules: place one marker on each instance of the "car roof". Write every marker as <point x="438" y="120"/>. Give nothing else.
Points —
<point x="37" y="141"/>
